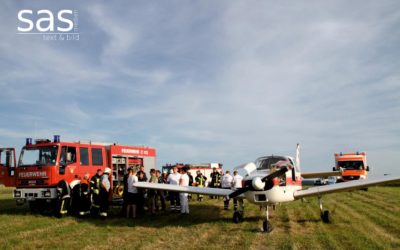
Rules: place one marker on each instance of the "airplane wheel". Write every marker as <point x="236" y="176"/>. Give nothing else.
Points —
<point x="267" y="228"/>
<point x="325" y="216"/>
<point x="236" y="217"/>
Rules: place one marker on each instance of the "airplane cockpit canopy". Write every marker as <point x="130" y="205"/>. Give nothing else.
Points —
<point x="266" y="162"/>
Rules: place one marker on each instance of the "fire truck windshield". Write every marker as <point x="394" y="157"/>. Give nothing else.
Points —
<point x="351" y="165"/>
<point x="38" y="156"/>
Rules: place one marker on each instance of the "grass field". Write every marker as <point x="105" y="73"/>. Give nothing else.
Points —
<point x="361" y="220"/>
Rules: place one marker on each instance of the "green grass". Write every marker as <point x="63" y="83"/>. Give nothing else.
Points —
<point x="361" y="220"/>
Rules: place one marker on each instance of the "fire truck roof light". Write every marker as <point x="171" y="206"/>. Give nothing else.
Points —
<point x="56" y="138"/>
<point x="28" y="141"/>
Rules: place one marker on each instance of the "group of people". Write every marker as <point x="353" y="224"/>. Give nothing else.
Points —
<point x="95" y="198"/>
<point x="92" y="195"/>
<point x="135" y="198"/>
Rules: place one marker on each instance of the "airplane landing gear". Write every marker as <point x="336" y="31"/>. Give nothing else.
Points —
<point x="324" y="213"/>
<point x="237" y="217"/>
<point x="238" y="214"/>
<point x="266" y="227"/>
<point x="325" y="216"/>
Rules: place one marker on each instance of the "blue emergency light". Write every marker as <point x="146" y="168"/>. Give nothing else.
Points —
<point x="28" y="141"/>
<point x="56" y="138"/>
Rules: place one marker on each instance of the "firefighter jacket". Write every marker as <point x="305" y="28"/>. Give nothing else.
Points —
<point x="95" y="184"/>
<point x="215" y="179"/>
<point x="200" y="180"/>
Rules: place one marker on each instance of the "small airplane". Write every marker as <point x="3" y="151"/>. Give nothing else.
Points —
<point x="271" y="180"/>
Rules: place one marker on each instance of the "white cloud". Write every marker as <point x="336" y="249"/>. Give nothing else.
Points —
<point x="216" y="82"/>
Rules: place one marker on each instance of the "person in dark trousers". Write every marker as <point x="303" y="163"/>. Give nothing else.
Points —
<point x="131" y="194"/>
<point x="160" y="195"/>
<point x="190" y="183"/>
<point x="142" y="192"/>
<point x="215" y="180"/>
<point x="125" y="194"/>
<point x="84" y="197"/>
<point x="200" y="181"/>
<point x="95" y="191"/>
<point x="152" y="193"/>
<point x="173" y="179"/>
<point x="105" y="186"/>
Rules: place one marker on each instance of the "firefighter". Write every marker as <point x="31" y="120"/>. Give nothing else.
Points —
<point x="84" y="204"/>
<point x="190" y="183"/>
<point x="200" y="181"/>
<point x="104" y="192"/>
<point x="215" y="180"/>
<point x="95" y="191"/>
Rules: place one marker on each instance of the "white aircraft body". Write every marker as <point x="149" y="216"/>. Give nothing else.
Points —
<point x="271" y="180"/>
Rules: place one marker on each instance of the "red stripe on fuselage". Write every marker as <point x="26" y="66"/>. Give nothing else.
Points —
<point x="289" y="182"/>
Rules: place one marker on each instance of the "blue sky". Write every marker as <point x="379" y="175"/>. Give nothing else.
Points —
<point x="211" y="81"/>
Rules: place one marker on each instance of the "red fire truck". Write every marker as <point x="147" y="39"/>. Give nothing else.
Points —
<point x="48" y="170"/>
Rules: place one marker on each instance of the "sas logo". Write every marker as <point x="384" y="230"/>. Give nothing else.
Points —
<point x="59" y="25"/>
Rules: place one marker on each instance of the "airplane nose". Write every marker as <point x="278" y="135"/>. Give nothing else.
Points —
<point x="258" y="184"/>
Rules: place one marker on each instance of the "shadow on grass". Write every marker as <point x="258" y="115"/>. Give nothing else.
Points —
<point x="199" y="214"/>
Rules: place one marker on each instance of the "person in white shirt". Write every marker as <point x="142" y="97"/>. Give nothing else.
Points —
<point x="184" y="182"/>
<point x="173" y="179"/>
<point x="236" y="184"/>
<point x="132" y="194"/>
<point x="226" y="183"/>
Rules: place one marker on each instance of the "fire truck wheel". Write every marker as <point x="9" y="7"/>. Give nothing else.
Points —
<point x="237" y="217"/>
<point x="34" y="207"/>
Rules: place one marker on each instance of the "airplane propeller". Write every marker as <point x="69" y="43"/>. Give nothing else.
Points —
<point x="256" y="182"/>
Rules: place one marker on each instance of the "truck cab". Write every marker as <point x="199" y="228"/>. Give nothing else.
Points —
<point x="352" y="165"/>
<point x="49" y="172"/>
<point x="7" y="167"/>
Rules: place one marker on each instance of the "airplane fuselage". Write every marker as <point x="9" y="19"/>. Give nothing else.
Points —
<point x="280" y="190"/>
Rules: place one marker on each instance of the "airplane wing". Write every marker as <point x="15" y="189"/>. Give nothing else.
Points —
<point x="176" y="188"/>
<point x="344" y="186"/>
<point x="320" y="174"/>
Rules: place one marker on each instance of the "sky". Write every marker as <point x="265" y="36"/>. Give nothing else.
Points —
<point x="210" y="81"/>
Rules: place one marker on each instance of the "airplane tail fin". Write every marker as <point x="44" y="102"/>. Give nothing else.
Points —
<point x="297" y="157"/>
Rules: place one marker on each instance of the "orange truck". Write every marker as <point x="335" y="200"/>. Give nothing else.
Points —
<point x="352" y="165"/>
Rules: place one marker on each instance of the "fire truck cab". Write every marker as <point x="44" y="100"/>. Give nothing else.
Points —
<point x="8" y="163"/>
<point x="352" y="165"/>
<point x="48" y="170"/>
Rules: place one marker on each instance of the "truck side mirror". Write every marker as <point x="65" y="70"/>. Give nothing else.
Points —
<point x="333" y="169"/>
<point x="367" y="168"/>
<point x="8" y="159"/>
